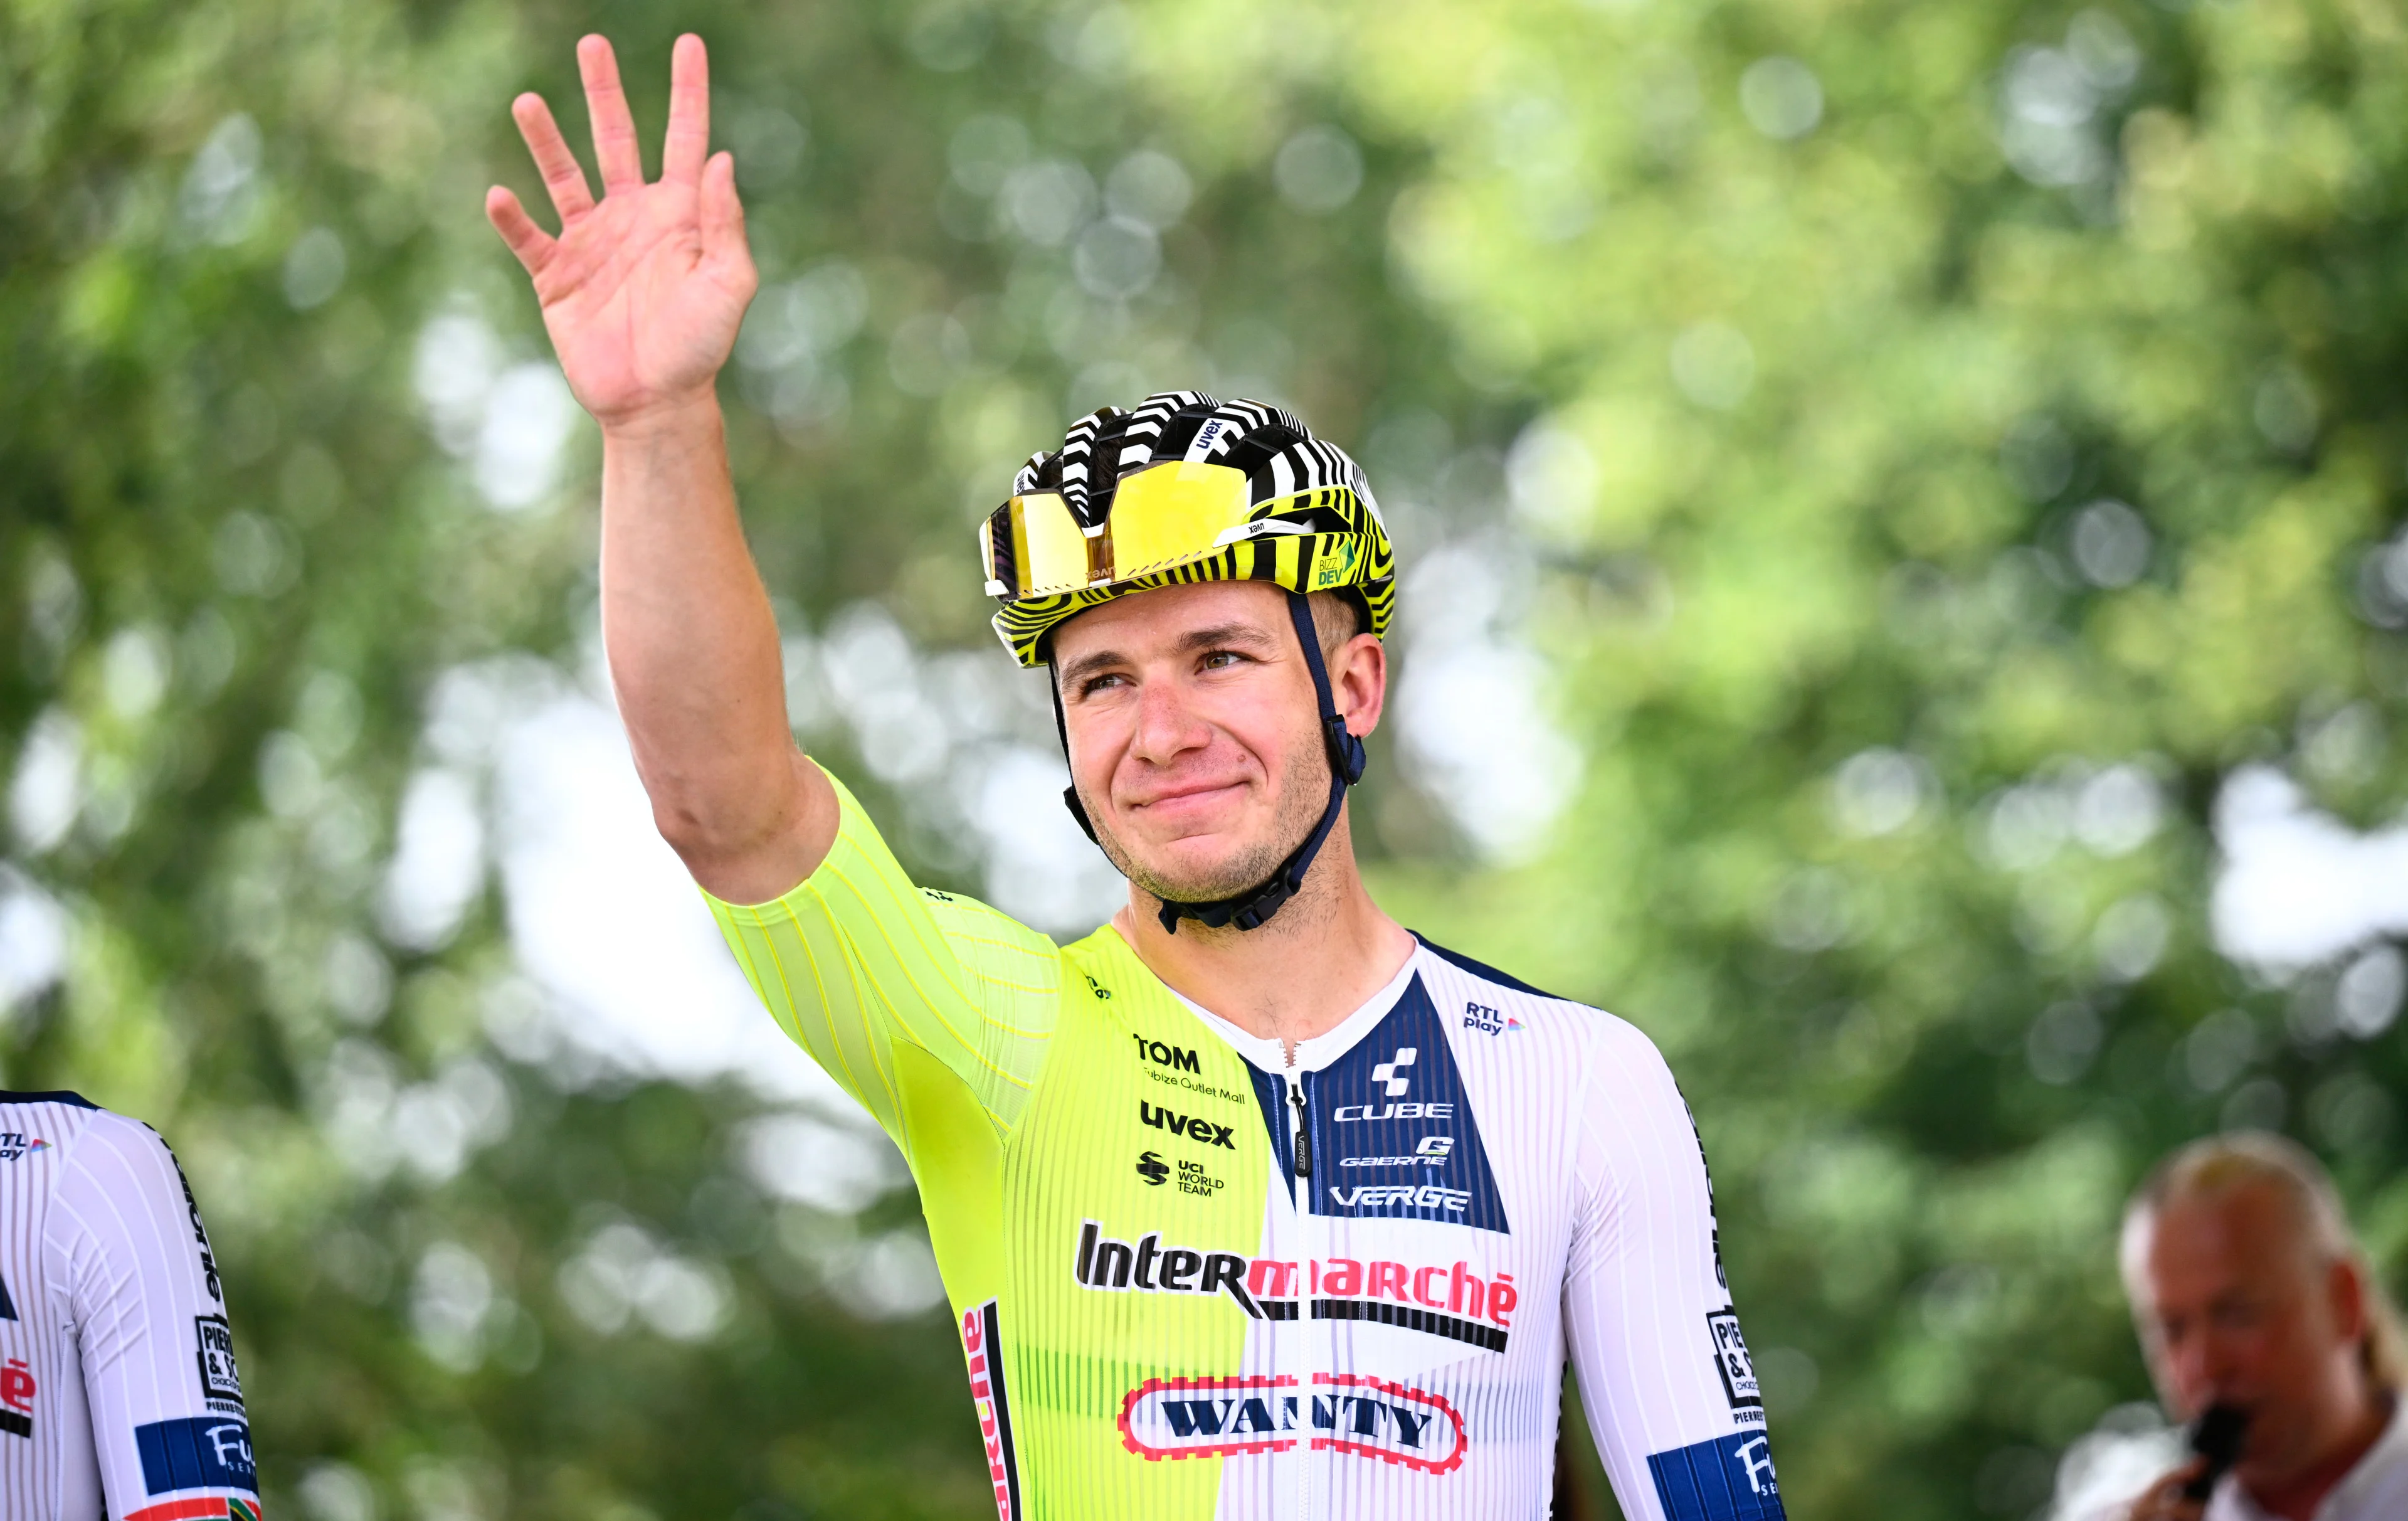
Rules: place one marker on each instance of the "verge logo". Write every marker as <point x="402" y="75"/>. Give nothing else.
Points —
<point x="1386" y="1072"/>
<point x="1199" y="1417"/>
<point x="1402" y="1195"/>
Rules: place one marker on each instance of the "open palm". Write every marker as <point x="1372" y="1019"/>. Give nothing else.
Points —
<point x="643" y="290"/>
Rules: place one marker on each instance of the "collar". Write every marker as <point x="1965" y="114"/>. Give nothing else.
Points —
<point x="1270" y="1055"/>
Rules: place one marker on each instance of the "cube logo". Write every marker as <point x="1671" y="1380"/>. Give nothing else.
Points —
<point x="1388" y="1073"/>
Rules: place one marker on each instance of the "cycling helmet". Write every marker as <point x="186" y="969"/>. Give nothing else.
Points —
<point x="1188" y="488"/>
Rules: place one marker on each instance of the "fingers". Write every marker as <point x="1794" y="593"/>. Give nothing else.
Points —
<point x="563" y="175"/>
<point x="722" y="217"/>
<point x="689" y="138"/>
<point x="2164" y="1501"/>
<point x="614" y="127"/>
<point x="531" y="243"/>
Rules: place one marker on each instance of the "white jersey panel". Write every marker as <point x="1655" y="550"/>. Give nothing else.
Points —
<point x="1479" y="1180"/>
<point x="117" y="1320"/>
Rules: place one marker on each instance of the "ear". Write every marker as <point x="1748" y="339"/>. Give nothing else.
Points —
<point x="1358" y="682"/>
<point x="2346" y="1291"/>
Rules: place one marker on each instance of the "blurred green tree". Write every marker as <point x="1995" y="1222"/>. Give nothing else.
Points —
<point x="1890" y="483"/>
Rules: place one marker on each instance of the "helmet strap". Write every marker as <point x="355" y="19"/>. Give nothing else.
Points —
<point x="1253" y="907"/>
<point x="1062" y="731"/>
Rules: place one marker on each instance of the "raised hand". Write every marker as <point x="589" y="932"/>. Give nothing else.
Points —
<point x="643" y="290"/>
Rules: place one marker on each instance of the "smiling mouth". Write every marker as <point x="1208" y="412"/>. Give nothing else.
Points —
<point x="1189" y="795"/>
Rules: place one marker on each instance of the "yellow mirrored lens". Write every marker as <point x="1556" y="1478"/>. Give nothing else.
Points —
<point x="1169" y="513"/>
<point x="1049" y="554"/>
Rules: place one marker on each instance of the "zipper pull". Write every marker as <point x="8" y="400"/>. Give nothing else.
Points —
<point x="1303" y="1134"/>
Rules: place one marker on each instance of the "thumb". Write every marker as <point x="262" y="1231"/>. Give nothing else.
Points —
<point x="723" y="216"/>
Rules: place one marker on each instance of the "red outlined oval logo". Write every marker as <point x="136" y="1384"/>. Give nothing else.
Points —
<point x="1209" y="1418"/>
<point x="1225" y="1417"/>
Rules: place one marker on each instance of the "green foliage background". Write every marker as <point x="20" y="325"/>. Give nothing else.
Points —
<point x="1783" y="386"/>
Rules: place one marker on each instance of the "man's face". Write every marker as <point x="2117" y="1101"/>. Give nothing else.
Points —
<point x="1193" y="732"/>
<point x="2237" y="1305"/>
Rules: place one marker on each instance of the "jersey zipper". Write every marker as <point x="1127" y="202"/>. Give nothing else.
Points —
<point x="1304" y="1128"/>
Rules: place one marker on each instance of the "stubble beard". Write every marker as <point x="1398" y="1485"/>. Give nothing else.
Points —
<point x="1304" y="792"/>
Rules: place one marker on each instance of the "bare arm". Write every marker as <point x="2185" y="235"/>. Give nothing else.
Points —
<point x="643" y="293"/>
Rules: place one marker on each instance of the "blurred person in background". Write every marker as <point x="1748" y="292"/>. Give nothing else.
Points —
<point x="119" y="1397"/>
<point x="2250" y="1290"/>
<point x="1405" y="1183"/>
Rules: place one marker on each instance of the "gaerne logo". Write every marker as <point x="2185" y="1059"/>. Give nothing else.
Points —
<point x="1228" y="1418"/>
<point x="1202" y="1131"/>
<point x="17" y="1398"/>
<point x="1433" y="1151"/>
<point x="200" y="1235"/>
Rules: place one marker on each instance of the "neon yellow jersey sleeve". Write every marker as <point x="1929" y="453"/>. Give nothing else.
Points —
<point x="855" y="961"/>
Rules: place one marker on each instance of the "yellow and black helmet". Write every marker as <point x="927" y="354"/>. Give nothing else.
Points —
<point x="1182" y="489"/>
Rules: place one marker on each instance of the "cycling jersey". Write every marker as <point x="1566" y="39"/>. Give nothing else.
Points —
<point x="119" y="1396"/>
<point x="1191" y="1280"/>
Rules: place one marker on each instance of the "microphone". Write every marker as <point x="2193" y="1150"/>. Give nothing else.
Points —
<point x="2215" y="1436"/>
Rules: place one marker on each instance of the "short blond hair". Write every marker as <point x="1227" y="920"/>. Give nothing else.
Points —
<point x="2217" y="1166"/>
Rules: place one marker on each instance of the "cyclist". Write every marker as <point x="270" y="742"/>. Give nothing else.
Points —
<point x="1249" y="1203"/>
<point x="119" y="1397"/>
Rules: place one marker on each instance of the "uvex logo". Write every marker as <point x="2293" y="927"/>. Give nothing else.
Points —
<point x="1179" y="1125"/>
